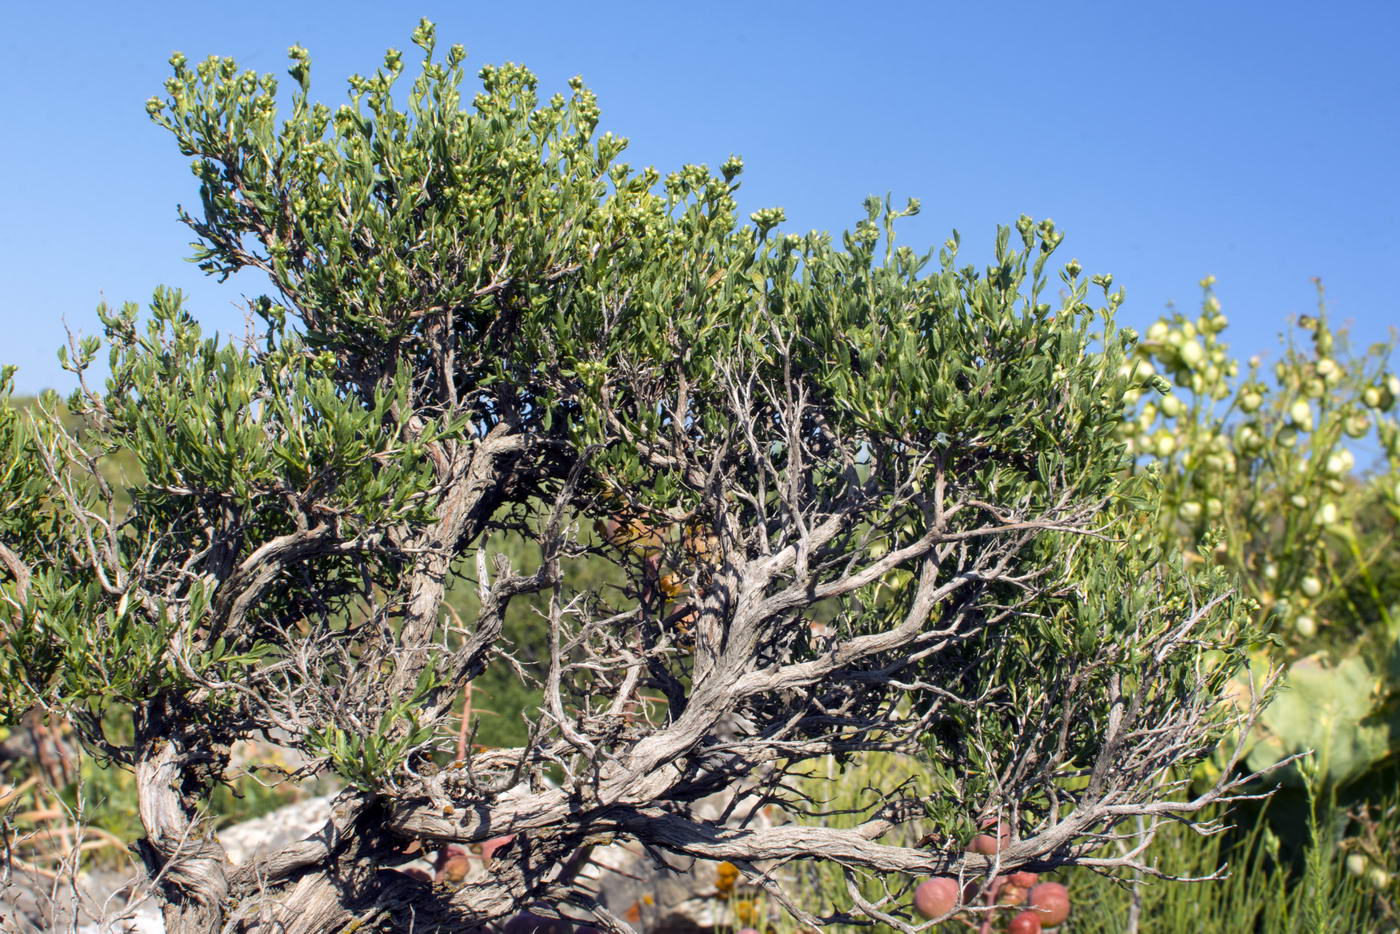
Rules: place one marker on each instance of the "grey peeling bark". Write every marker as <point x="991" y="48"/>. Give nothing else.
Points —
<point x="473" y="481"/>
<point x="173" y="772"/>
<point x="181" y="853"/>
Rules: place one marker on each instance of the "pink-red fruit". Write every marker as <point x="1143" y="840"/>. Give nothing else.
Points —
<point x="936" y="897"/>
<point x="1010" y="894"/>
<point x="1024" y="923"/>
<point x="1024" y="879"/>
<point x="454" y="870"/>
<point x="1050" y="900"/>
<point x="987" y="844"/>
<point x="489" y="847"/>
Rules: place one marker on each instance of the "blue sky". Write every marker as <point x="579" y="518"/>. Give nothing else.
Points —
<point x="1255" y="141"/>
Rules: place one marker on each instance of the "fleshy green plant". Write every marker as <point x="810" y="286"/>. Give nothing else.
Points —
<point x="1260" y="474"/>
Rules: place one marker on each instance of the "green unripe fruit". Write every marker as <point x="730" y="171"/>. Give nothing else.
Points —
<point x="1357" y="864"/>
<point x="1214" y="507"/>
<point x="1356" y="426"/>
<point x="1171" y="406"/>
<point x="1250" y="402"/>
<point x="1157" y="332"/>
<point x="1192" y="353"/>
<point x="1374" y="397"/>
<point x="1310" y="586"/>
<point x="1164" y="444"/>
<point x="1247" y="439"/>
<point x="1313" y="388"/>
<point x="1339" y="463"/>
<point x="1300" y="414"/>
<point x="1299" y="501"/>
<point x="1305" y="626"/>
<point x="1328" y="514"/>
<point x="1189" y="510"/>
<point x="1287" y="436"/>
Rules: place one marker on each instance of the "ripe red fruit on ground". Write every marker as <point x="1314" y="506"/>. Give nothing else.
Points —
<point x="1050" y="900"/>
<point x="454" y="870"/>
<point x="1024" y="923"/>
<point x="489" y="847"/>
<point x="449" y="851"/>
<point x="936" y="897"/>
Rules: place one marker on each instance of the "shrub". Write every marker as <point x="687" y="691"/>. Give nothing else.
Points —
<point x="855" y="499"/>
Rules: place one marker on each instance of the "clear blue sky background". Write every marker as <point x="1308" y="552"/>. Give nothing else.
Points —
<point x="1257" y="141"/>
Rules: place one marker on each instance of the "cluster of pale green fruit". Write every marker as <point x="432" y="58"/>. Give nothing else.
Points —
<point x="1265" y="472"/>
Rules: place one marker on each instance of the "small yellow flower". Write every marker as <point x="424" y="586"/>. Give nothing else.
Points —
<point x="745" y="912"/>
